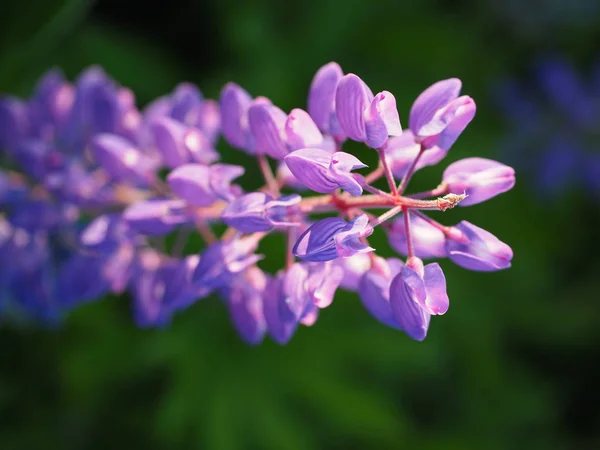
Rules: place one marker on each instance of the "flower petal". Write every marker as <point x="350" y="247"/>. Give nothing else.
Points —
<point x="321" y="98"/>
<point x="437" y="301"/>
<point x="382" y="120"/>
<point x="351" y="100"/>
<point x="431" y="100"/>
<point x="407" y="293"/>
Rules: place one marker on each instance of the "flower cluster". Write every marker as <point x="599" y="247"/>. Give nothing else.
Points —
<point x="92" y="185"/>
<point x="553" y="118"/>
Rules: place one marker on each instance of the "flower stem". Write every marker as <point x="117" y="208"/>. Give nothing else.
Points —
<point x="386" y="215"/>
<point x="409" y="172"/>
<point x="409" y="242"/>
<point x="374" y="190"/>
<point x="270" y="179"/>
<point x="387" y="170"/>
<point x="440" y="190"/>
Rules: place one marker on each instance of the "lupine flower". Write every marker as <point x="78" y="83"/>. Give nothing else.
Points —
<point x="477" y="249"/>
<point x="201" y="185"/>
<point x="438" y="116"/>
<point x="480" y="178"/>
<point x="87" y="212"/>
<point x="333" y="238"/>
<point x="427" y="240"/>
<point x="257" y="211"/>
<point x="324" y="172"/>
<point x="364" y="117"/>
<point x="321" y="100"/>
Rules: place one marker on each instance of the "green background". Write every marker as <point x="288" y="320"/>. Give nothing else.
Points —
<point x="512" y="365"/>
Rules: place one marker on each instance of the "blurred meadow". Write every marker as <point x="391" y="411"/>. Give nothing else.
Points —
<point x="513" y="364"/>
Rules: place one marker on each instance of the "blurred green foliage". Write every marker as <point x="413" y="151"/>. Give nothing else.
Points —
<point x="513" y="363"/>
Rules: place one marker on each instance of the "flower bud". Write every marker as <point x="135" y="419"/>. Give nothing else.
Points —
<point x="333" y="238"/>
<point x="324" y="172"/>
<point x="479" y="250"/>
<point x="321" y="99"/>
<point x="480" y="178"/>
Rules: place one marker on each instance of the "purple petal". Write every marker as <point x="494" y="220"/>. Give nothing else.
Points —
<point x="281" y="330"/>
<point x="374" y="291"/>
<point x="185" y="97"/>
<point x="458" y="114"/>
<point x="382" y="120"/>
<point x="352" y="98"/>
<point x="401" y="151"/>
<point x="301" y="131"/>
<point x="431" y="100"/>
<point x="277" y="211"/>
<point x="407" y="293"/>
<point x="348" y="242"/>
<point x="480" y="178"/>
<point x="169" y="137"/>
<point x="14" y="122"/>
<point x="221" y="176"/>
<point x="245" y="303"/>
<point x="480" y="250"/>
<point x="234" y="103"/>
<point x="428" y="241"/>
<point x="267" y="123"/>
<point x="155" y="217"/>
<point x="295" y="301"/>
<point x="247" y="213"/>
<point x="191" y="182"/>
<point x="339" y="171"/>
<point x="322" y="283"/>
<point x="121" y="159"/>
<point x="310" y="167"/>
<point x="321" y="98"/>
<point x="317" y="242"/>
<point x="435" y="283"/>
<point x="353" y="268"/>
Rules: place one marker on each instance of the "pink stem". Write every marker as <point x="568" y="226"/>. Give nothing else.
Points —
<point x="440" y="190"/>
<point x="386" y="216"/>
<point x="387" y="170"/>
<point x="374" y="190"/>
<point x="409" y="172"/>
<point x="270" y="179"/>
<point x="409" y="242"/>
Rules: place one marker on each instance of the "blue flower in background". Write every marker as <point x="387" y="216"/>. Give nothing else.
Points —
<point x="554" y="126"/>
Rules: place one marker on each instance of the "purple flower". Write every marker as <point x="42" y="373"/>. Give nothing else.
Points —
<point x="267" y="124"/>
<point x="258" y="211"/>
<point x="439" y="115"/>
<point x="179" y="144"/>
<point x="401" y="151"/>
<point x="223" y="259"/>
<point x="333" y="238"/>
<point x="121" y="159"/>
<point x="416" y="293"/>
<point x="353" y="269"/>
<point x="324" y="172"/>
<point x="244" y="297"/>
<point x="156" y="217"/>
<point x="364" y="117"/>
<point x="280" y="327"/>
<point x="301" y="131"/>
<point x="321" y="99"/>
<point x="234" y="104"/>
<point x="201" y="185"/>
<point x="14" y="122"/>
<point x="480" y="178"/>
<point x="374" y="289"/>
<point x="477" y="249"/>
<point x="428" y="241"/>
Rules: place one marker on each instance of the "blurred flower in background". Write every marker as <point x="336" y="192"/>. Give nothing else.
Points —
<point x="553" y="119"/>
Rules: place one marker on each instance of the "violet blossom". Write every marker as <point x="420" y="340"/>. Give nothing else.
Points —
<point x="101" y="184"/>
